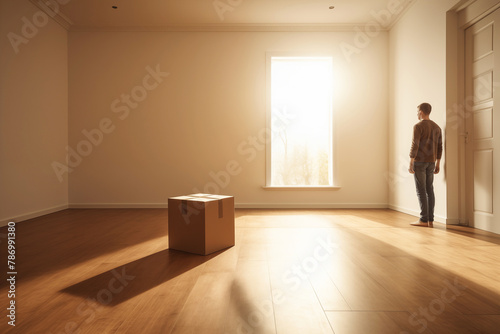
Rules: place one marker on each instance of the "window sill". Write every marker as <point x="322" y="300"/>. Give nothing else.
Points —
<point x="301" y="187"/>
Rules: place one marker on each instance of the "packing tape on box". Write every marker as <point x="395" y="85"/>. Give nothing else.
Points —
<point x="184" y="206"/>
<point x="221" y="211"/>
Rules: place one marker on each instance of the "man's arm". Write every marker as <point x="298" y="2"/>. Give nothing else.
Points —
<point x="439" y="152"/>
<point x="410" y="169"/>
<point x="437" y="168"/>
<point x="415" y="141"/>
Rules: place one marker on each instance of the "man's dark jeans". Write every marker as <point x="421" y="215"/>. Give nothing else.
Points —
<point x="424" y="177"/>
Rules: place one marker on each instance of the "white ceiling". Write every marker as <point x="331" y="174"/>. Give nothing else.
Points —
<point x="167" y="13"/>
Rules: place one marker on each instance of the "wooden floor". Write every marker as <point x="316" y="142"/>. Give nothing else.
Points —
<point x="291" y="271"/>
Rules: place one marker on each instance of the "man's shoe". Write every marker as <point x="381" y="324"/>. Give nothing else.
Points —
<point x="419" y="223"/>
<point x="431" y="224"/>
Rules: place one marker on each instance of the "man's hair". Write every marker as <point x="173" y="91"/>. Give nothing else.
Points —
<point x="425" y="108"/>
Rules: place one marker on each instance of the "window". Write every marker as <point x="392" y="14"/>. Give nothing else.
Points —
<point x="300" y="151"/>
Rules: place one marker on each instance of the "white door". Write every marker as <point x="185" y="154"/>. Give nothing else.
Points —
<point x="482" y="122"/>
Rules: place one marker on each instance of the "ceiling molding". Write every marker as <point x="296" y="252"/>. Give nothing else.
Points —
<point x="232" y="28"/>
<point x="54" y="13"/>
<point x="402" y="13"/>
<point x="52" y="9"/>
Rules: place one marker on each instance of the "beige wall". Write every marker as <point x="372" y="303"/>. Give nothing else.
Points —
<point x="33" y="112"/>
<point x="202" y="115"/>
<point x="181" y="127"/>
<point x="417" y="74"/>
<point x="192" y="122"/>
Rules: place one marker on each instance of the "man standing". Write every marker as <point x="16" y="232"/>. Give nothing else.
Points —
<point x="425" y="154"/>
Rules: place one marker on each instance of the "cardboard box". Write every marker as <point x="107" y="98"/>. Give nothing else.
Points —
<point x="200" y="223"/>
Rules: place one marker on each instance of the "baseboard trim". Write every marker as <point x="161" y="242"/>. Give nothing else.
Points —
<point x="118" y="205"/>
<point x="237" y="206"/>
<point x="311" y="206"/>
<point x="453" y="221"/>
<point x="404" y="210"/>
<point x="33" y="214"/>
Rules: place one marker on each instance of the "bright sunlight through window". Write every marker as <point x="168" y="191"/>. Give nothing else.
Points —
<point x="301" y="121"/>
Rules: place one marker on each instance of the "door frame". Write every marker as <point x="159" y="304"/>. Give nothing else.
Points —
<point x="460" y="17"/>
